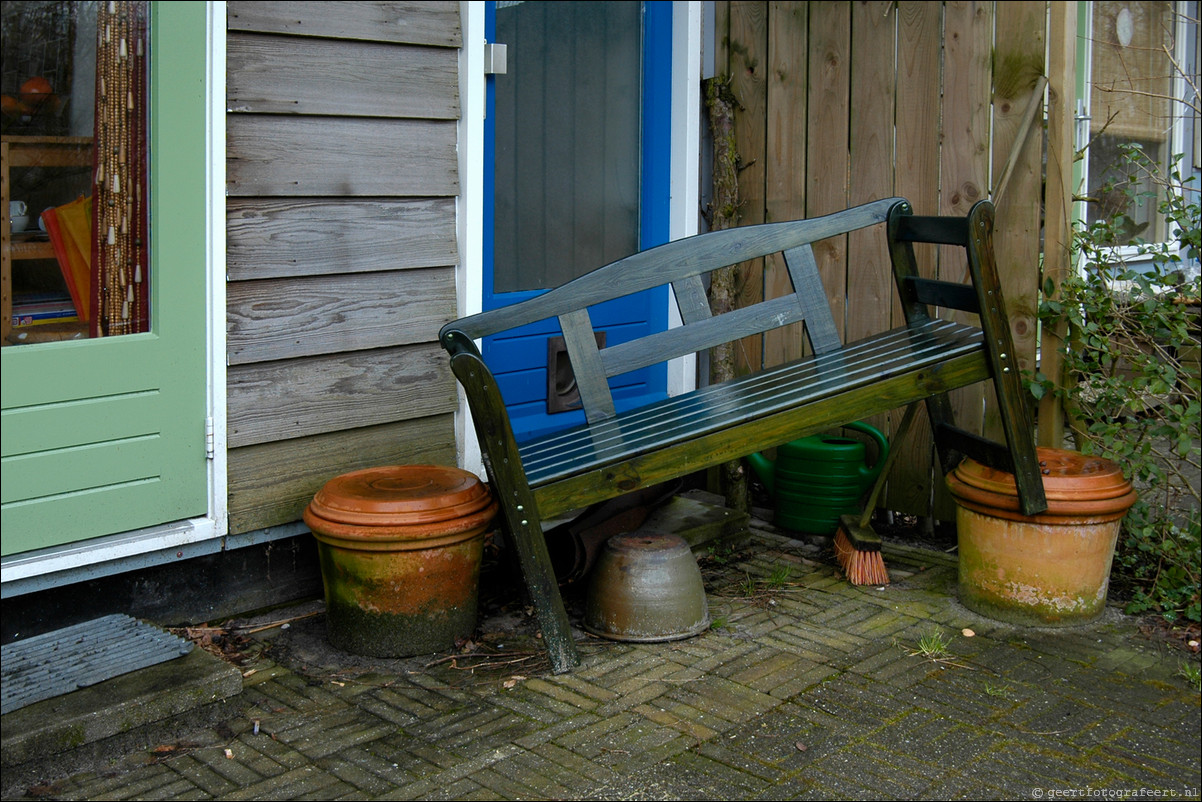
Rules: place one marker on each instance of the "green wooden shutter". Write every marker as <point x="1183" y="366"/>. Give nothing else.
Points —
<point x="108" y="435"/>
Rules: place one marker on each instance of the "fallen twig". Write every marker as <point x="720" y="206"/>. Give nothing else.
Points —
<point x="486" y="660"/>
<point x="273" y="624"/>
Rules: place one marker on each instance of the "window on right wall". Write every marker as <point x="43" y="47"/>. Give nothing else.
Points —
<point x="1135" y="78"/>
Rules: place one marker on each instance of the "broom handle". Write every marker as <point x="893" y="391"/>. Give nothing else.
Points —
<point x="902" y="429"/>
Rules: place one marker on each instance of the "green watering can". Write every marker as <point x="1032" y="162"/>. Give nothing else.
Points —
<point x="816" y="479"/>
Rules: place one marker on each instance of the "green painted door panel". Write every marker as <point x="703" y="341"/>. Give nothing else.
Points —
<point x="107" y="435"/>
<point x="114" y="463"/>
<point x="69" y="424"/>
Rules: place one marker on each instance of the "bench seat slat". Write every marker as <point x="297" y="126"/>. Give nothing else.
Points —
<point x="686" y="417"/>
<point x="751" y="396"/>
<point x="772" y="385"/>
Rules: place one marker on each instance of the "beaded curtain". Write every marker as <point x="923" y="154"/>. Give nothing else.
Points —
<point x="120" y="286"/>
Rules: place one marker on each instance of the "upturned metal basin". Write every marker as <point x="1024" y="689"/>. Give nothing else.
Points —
<point x="646" y="588"/>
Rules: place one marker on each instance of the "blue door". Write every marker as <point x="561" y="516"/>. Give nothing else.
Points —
<point x="576" y="172"/>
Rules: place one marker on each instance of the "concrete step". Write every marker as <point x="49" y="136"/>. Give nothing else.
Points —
<point x="75" y="731"/>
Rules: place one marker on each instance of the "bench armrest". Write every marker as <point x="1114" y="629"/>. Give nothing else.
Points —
<point x="489" y="415"/>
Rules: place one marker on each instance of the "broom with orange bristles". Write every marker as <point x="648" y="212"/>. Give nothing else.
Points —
<point x="857" y="546"/>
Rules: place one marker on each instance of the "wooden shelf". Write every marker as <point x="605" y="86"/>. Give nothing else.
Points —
<point x="49" y="151"/>
<point x="44" y="152"/>
<point x="47" y="333"/>
<point x="31" y="249"/>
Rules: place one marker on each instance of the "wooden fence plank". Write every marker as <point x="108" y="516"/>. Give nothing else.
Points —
<point x="282" y="237"/>
<point x="290" y="318"/>
<point x="784" y="193"/>
<point x="1017" y="74"/>
<point x="827" y="141"/>
<point x="413" y="22"/>
<point x="937" y="149"/>
<point x="300" y="397"/>
<point x="272" y="155"/>
<point x="749" y="68"/>
<point x="964" y="166"/>
<point x="870" y="285"/>
<point x="1057" y="251"/>
<point x="270" y="484"/>
<point x="916" y="177"/>
<point x="869" y="279"/>
<point x="916" y="168"/>
<point x="304" y="75"/>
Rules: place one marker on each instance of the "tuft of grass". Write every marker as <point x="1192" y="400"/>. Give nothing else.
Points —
<point x="719" y="622"/>
<point x="932" y="646"/>
<point x="1192" y="674"/>
<point x="748" y="584"/>
<point x="999" y="691"/>
<point x="780" y="577"/>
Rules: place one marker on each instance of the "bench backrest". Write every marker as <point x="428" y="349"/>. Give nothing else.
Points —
<point x="683" y="264"/>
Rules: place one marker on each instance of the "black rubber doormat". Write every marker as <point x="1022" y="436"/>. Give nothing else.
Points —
<point x="65" y="660"/>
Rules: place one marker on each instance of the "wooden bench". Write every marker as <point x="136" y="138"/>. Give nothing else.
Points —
<point x="615" y="453"/>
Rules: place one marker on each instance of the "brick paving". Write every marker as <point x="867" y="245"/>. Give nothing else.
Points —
<point x="806" y="688"/>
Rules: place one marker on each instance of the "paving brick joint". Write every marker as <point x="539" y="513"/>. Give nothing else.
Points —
<point x="805" y="687"/>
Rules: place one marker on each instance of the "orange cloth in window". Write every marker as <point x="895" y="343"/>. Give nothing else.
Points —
<point x="70" y="230"/>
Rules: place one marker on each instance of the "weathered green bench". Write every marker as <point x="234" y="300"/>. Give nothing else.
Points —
<point x="616" y="453"/>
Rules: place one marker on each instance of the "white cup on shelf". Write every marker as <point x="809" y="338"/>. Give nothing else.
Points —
<point x="18" y="215"/>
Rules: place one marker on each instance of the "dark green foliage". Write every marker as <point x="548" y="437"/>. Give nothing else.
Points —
<point x="1131" y="388"/>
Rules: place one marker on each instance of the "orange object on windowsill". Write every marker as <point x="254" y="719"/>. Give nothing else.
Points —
<point x="70" y="230"/>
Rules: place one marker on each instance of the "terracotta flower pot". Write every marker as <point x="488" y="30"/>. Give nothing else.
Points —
<point x="400" y="551"/>
<point x="1048" y="569"/>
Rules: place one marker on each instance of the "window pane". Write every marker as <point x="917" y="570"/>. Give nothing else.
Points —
<point x="74" y="130"/>
<point x="1131" y="87"/>
<point x="567" y="140"/>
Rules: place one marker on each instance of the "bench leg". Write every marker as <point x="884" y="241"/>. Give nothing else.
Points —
<point x="939" y="412"/>
<point x="1017" y="456"/>
<point x="524" y="528"/>
<point x="999" y="344"/>
<point x="522" y="521"/>
<point x="1020" y="436"/>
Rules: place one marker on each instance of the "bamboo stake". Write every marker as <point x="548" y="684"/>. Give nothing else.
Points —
<point x="1034" y="106"/>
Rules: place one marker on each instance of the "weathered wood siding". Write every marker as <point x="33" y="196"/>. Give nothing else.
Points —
<point x="342" y="177"/>
<point x="846" y="102"/>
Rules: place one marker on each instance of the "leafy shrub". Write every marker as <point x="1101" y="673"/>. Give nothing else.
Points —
<point x="1131" y="383"/>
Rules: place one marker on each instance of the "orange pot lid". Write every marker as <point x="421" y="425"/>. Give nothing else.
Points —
<point x="401" y="495"/>
<point x="1067" y="476"/>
